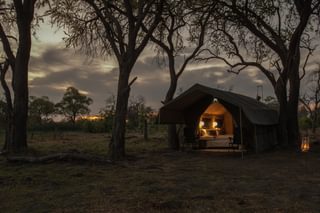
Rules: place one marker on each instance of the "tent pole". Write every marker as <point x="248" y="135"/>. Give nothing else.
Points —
<point x="241" y="136"/>
<point x="255" y="138"/>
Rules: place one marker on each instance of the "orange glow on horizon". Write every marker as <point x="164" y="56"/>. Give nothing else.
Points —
<point x="92" y="117"/>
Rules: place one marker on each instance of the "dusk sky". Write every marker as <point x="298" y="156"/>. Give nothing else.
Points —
<point x="53" y="68"/>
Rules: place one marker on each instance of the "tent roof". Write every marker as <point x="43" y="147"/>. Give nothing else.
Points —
<point x="257" y="112"/>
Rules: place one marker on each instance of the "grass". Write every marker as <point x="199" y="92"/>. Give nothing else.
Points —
<point x="158" y="180"/>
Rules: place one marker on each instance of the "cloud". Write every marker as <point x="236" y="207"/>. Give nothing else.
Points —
<point x="54" y="68"/>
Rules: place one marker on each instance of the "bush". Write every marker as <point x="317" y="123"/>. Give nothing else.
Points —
<point x="92" y="126"/>
<point x="305" y="123"/>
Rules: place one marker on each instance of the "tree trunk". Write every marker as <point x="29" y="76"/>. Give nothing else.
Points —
<point x="73" y="121"/>
<point x="9" y="108"/>
<point x="293" y="123"/>
<point x="24" y="13"/>
<point x="288" y="113"/>
<point x="314" y="122"/>
<point x="280" y="91"/>
<point x="313" y="130"/>
<point x="117" y="143"/>
<point x="8" y="133"/>
<point x="20" y="87"/>
<point x="173" y="138"/>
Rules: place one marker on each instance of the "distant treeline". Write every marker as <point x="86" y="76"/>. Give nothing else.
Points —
<point x="73" y="113"/>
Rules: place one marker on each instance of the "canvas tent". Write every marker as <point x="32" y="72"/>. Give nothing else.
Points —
<point x="256" y="122"/>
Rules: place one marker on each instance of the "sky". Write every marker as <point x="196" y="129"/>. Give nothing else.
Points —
<point x="53" y="68"/>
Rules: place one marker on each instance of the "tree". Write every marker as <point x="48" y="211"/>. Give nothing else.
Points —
<point x="16" y="18"/>
<point x="6" y="106"/>
<point x="2" y="112"/>
<point x="108" y="111"/>
<point x="73" y="104"/>
<point x="3" y="121"/>
<point x="269" y="36"/>
<point x="41" y="108"/>
<point x="172" y="41"/>
<point x="111" y="27"/>
<point x="138" y="114"/>
<point x="311" y="98"/>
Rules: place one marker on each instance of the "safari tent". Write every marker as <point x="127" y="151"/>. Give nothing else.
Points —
<point x="216" y="115"/>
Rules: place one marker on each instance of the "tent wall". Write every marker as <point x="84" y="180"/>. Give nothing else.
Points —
<point x="266" y="137"/>
<point x="192" y="113"/>
<point x="228" y="124"/>
<point x="172" y="116"/>
<point x="258" y="121"/>
<point x="257" y="138"/>
<point x="248" y="133"/>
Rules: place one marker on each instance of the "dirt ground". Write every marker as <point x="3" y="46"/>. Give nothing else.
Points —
<point x="154" y="179"/>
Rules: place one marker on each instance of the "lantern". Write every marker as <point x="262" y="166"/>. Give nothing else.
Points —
<point x="305" y="145"/>
<point x="214" y="124"/>
<point x="201" y="124"/>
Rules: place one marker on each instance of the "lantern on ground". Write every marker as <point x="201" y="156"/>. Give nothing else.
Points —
<point x="305" y="144"/>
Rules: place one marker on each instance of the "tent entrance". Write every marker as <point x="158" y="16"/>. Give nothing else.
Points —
<point x="216" y="126"/>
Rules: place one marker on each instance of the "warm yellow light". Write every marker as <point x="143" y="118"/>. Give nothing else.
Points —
<point x="204" y="132"/>
<point x="305" y="145"/>
<point x="201" y="124"/>
<point x="214" y="124"/>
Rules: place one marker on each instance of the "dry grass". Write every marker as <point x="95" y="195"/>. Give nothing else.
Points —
<point x="157" y="180"/>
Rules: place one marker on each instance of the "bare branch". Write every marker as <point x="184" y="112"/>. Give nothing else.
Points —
<point x="203" y="25"/>
<point x="305" y="63"/>
<point x="7" y="47"/>
<point x="4" y="67"/>
<point x="132" y="81"/>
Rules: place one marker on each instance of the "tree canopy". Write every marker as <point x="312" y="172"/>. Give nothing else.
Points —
<point x="121" y="28"/>
<point x="16" y="24"/>
<point x="74" y="104"/>
<point x="269" y="36"/>
<point x="41" y="108"/>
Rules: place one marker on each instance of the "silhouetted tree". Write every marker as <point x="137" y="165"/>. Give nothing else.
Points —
<point x="6" y="106"/>
<point x="41" y="109"/>
<point x="269" y="36"/>
<point x="174" y="43"/>
<point x="73" y="104"/>
<point x="111" y="28"/>
<point x="16" y="22"/>
<point x="139" y="114"/>
<point x="2" y="111"/>
<point x="108" y="111"/>
<point x="311" y="98"/>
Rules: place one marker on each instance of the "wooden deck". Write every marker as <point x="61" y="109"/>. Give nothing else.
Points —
<point x="221" y="150"/>
<point x="221" y="141"/>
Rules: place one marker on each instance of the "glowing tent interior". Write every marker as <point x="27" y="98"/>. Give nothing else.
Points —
<point x="216" y="115"/>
